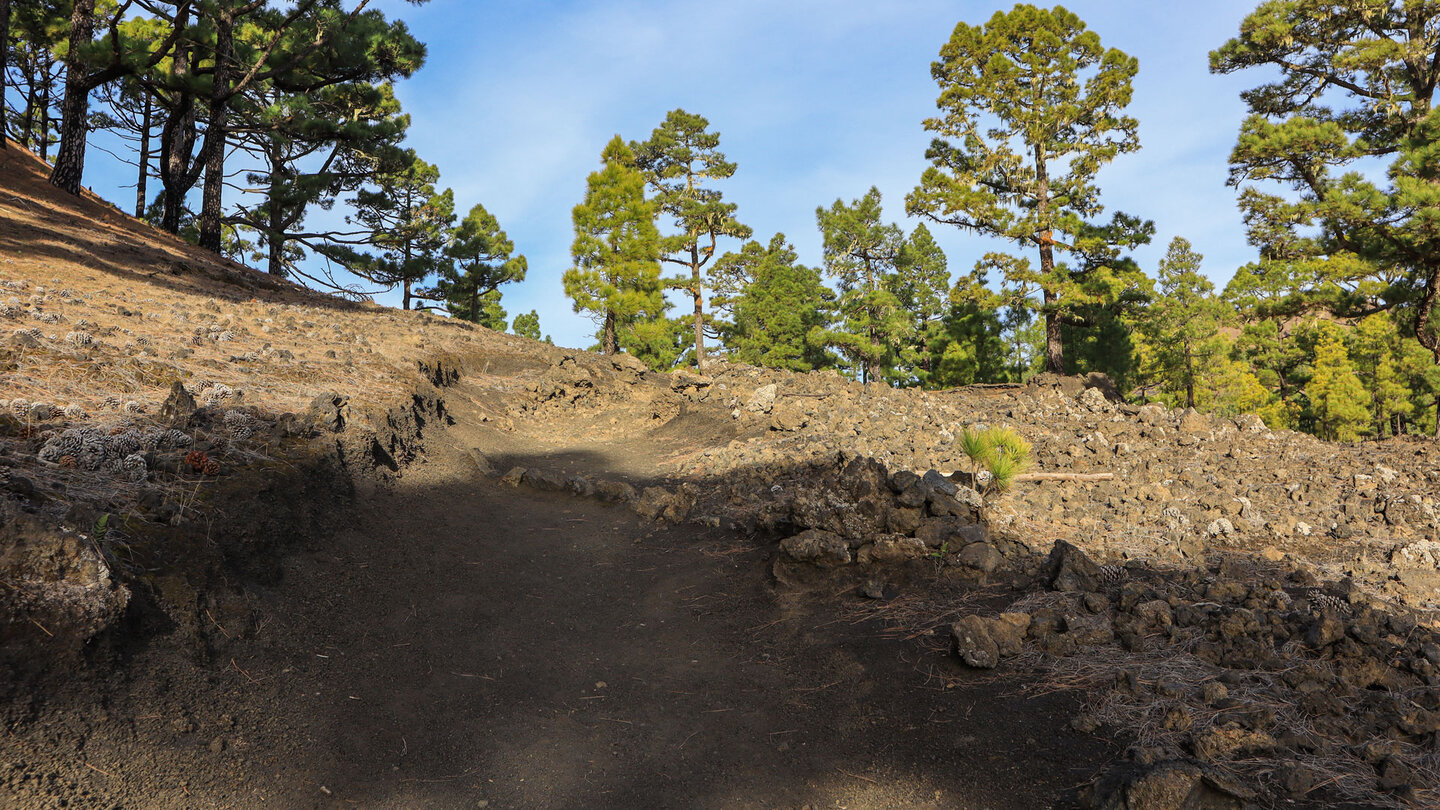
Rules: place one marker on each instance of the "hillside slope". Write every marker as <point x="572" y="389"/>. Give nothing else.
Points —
<point x="260" y="543"/>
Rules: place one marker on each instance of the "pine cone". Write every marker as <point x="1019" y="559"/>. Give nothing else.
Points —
<point x="1112" y="574"/>
<point x="69" y="462"/>
<point x="196" y="460"/>
<point x="212" y="467"/>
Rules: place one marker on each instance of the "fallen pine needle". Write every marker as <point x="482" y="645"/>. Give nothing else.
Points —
<point x="101" y="770"/>
<point x="857" y="776"/>
<point x="42" y="627"/>
<point x="242" y="672"/>
<point x="217" y="624"/>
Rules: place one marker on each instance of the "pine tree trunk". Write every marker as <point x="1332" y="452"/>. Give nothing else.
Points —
<point x="177" y="137"/>
<point x="609" y="344"/>
<point x="46" y="89"/>
<point x="274" y="232"/>
<point x="1189" y="378"/>
<point x="1423" y="331"/>
<point x="210" y="204"/>
<point x="175" y="145"/>
<point x="210" y="210"/>
<point x="27" y="119"/>
<point x="699" y="295"/>
<point x="142" y="180"/>
<point x="1054" y="338"/>
<point x="4" y="70"/>
<point x="406" y="304"/>
<point x="69" y="169"/>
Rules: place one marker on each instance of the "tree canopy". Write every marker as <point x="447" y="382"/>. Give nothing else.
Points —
<point x="1031" y="107"/>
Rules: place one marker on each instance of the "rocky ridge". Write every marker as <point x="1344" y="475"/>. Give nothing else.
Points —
<point x="1255" y="608"/>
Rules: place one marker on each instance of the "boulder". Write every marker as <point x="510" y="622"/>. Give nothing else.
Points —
<point x="974" y="644"/>
<point x="893" y="549"/>
<point x="653" y="501"/>
<point x="982" y="557"/>
<point x="1069" y="569"/>
<point x="937" y="532"/>
<point x="763" y="400"/>
<point x="1008" y="632"/>
<point x="825" y="549"/>
<point x="1163" y="785"/>
<point x="57" y="581"/>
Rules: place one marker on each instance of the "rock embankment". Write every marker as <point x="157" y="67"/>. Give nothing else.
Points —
<point x="1255" y="608"/>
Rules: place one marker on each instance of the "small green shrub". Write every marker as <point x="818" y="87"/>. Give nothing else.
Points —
<point x="1001" y="451"/>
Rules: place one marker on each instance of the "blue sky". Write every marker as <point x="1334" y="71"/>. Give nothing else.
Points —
<point x="814" y="100"/>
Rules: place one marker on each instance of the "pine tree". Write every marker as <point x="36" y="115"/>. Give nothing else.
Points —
<point x="922" y="284"/>
<point x="1337" y="397"/>
<point x="408" y="223"/>
<point x="774" y="304"/>
<point x="1032" y="104"/>
<point x="658" y="342"/>
<point x="37" y="30"/>
<point x="616" y="251"/>
<point x="312" y="148"/>
<point x="1374" y="345"/>
<point x="1356" y="84"/>
<point x="1230" y="389"/>
<point x="528" y="326"/>
<point x="863" y="255"/>
<point x="480" y="261"/>
<point x="677" y="159"/>
<point x="1181" y="327"/>
<point x="970" y="346"/>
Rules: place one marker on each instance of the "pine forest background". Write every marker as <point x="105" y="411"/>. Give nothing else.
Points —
<point x="271" y="132"/>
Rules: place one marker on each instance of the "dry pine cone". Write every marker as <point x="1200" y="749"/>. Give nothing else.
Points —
<point x="211" y="467"/>
<point x="196" y="459"/>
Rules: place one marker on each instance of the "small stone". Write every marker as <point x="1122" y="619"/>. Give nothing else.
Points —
<point x="1213" y="691"/>
<point x="973" y="643"/>
<point x="982" y="557"/>
<point x="1220" y="528"/>
<point x="1230" y="739"/>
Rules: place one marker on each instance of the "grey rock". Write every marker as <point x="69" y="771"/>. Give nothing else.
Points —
<point x="825" y="549"/>
<point x="180" y="405"/>
<point x="973" y="643"/>
<point x="981" y="556"/>
<point x="763" y="400"/>
<point x="1069" y="569"/>
<point x="939" y="483"/>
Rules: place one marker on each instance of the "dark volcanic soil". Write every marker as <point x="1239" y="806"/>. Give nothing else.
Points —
<point x="460" y="645"/>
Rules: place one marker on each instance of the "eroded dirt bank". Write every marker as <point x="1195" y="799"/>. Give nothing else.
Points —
<point x="457" y="643"/>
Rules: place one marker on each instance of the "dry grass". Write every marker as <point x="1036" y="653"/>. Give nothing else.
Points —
<point x="123" y="311"/>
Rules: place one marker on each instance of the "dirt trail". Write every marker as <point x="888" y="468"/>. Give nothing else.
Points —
<point x="462" y="645"/>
